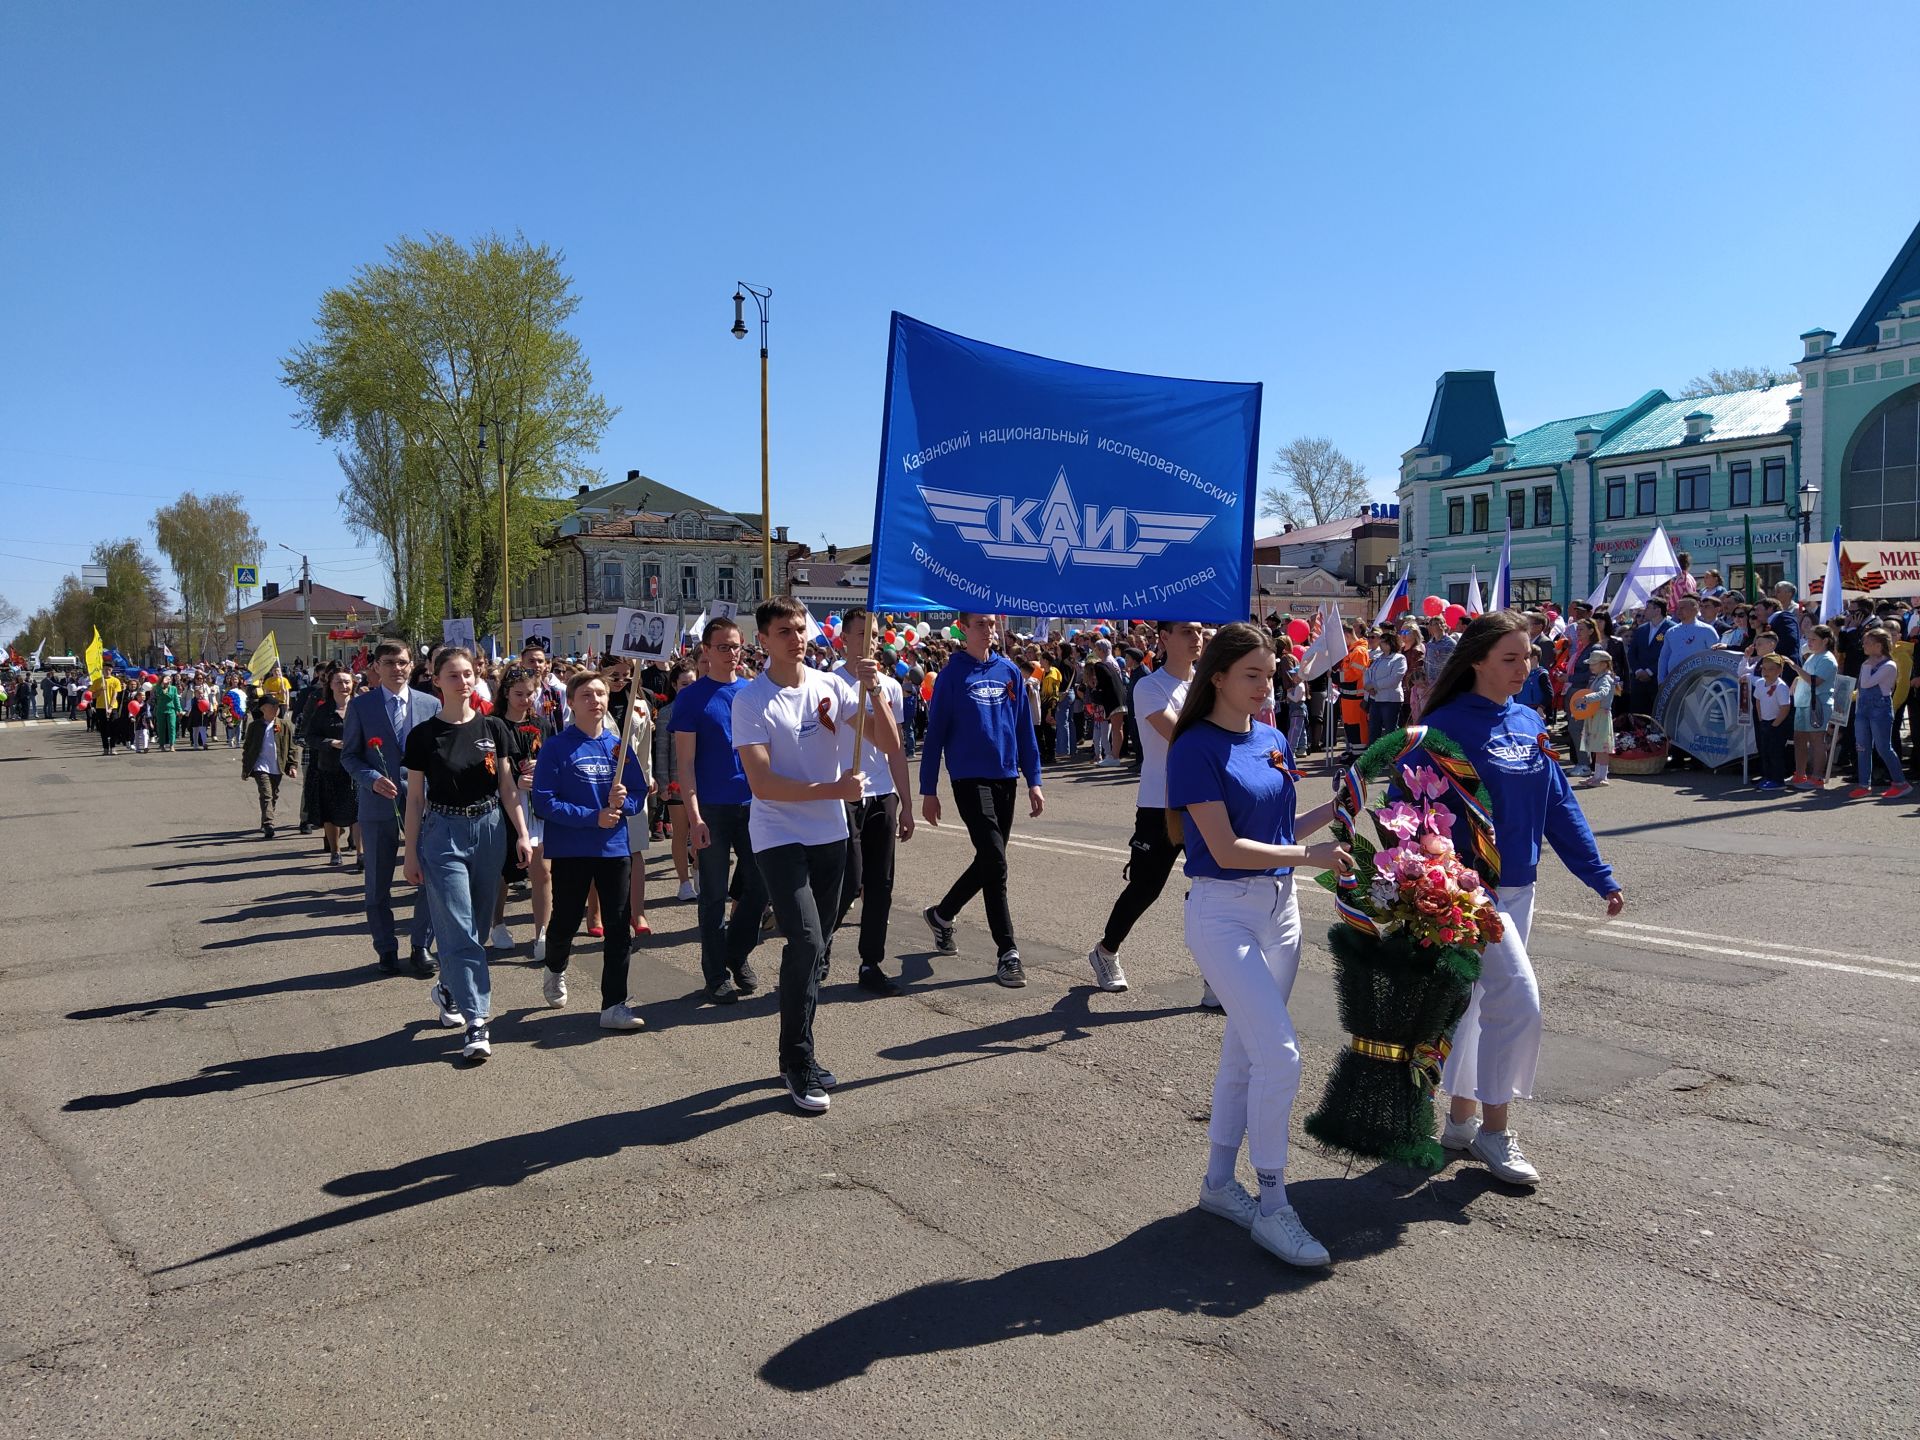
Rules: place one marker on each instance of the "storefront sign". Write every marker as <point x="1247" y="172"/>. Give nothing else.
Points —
<point x="1869" y="569"/>
<point x="1705" y="542"/>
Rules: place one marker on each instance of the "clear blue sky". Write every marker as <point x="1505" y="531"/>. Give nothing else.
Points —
<point x="1340" y="201"/>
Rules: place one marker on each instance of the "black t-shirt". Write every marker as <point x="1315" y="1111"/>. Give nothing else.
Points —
<point x="459" y="761"/>
<point x="525" y="737"/>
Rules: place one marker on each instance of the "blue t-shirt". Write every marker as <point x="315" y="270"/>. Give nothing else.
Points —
<point x="1208" y="763"/>
<point x="705" y="710"/>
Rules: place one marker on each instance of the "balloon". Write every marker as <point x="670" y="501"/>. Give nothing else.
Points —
<point x="922" y="629"/>
<point x="833" y="617"/>
<point x="900" y="668"/>
<point x="1105" y="631"/>
<point x="1454" y="615"/>
<point x="1299" y="631"/>
<point x="926" y="688"/>
<point x="1433" y="605"/>
<point x="888" y="638"/>
<point x="956" y="632"/>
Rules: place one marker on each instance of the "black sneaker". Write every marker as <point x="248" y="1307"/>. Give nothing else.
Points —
<point x="824" y="1077"/>
<point x="942" y="931"/>
<point x="746" y="979"/>
<point x="873" y="978"/>
<point x="266" y="832"/>
<point x="421" y="965"/>
<point x="1011" y="973"/>
<point x="808" y="1094"/>
<point x="389" y="964"/>
<point x="725" y="993"/>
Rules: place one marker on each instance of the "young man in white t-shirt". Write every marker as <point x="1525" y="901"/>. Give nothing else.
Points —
<point x="787" y="726"/>
<point x="1157" y="698"/>
<point x="877" y="817"/>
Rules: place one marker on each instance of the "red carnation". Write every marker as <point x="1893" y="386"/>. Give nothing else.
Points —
<point x="374" y="741"/>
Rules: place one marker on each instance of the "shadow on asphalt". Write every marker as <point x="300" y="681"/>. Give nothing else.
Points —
<point x="301" y="1066"/>
<point x="276" y="937"/>
<point x="498" y="1164"/>
<point x="1188" y="1264"/>
<point x="304" y="904"/>
<point x="212" y="999"/>
<point x="1069" y="1018"/>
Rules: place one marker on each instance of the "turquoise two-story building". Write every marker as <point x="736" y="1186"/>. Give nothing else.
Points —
<point x="1838" y="446"/>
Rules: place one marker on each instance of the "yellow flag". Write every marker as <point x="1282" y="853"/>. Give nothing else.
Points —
<point x="265" y="656"/>
<point x="1903" y="668"/>
<point x="96" y="657"/>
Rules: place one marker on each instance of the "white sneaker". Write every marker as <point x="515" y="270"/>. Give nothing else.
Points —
<point x="1459" y="1135"/>
<point x="621" y="1017"/>
<point x="1107" y="973"/>
<point x="540" y="948"/>
<point x="1282" y="1234"/>
<point x="479" y="1044"/>
<point x="553" y="988"/>
<point x="1500" y="1153"/>
<point x="688" y="891"/>
<point x="501" y="939"/>
<point x="1209" y="1000"/>
<point x="442" y="999"/>
<point x="1230" y="1202"/>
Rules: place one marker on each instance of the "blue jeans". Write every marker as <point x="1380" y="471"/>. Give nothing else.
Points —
<point x="1383" y="718"/>
<point x="724" y="948"/>
<point x="1875" y="720"/>
<point x="379" y="849"/>
<point x="460" y="858"/>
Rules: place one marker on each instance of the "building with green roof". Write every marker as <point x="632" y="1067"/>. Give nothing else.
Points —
<point x="1841" y="446"/>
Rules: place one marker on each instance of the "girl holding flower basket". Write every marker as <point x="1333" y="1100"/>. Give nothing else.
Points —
<point x="1497" y="1042"/>
<point x="1235" y="781"/>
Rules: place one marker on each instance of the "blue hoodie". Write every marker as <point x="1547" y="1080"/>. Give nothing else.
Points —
<point x="980" y="720"/>
<point x="1530" y="794"/>
<point x="571" y="779"/>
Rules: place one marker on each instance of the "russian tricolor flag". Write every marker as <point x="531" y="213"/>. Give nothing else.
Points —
<point x="1396" y="606"/>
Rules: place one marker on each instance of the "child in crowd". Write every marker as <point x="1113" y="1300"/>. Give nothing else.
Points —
<point x="1772" y="708"/>
<point x="1596" y="735"/>
<point x="1813" y="709"/>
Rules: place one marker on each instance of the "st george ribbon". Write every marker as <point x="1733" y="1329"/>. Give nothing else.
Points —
<point x="1013" y="484"/>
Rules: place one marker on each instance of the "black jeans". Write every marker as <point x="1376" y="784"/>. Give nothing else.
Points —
<point x="986" y="808"/>
<point x="1145" y="873"/>
<point x="803" y="882"/>
<point x="869" y="871"/>
<point x="724" y="947"/>
<point x="573" y="876"/>
<point x="1774" y="745"/>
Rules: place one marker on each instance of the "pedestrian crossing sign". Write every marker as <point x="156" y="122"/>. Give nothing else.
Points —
<point x="246" y="577"/>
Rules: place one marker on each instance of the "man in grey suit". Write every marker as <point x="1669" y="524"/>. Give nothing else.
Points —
<point x="377" y="726"/>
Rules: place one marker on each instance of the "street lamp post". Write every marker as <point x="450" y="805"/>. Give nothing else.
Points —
<point x="1809" y="493"/>
<point x="760" y="298"/>
<point x="500" y="462"/>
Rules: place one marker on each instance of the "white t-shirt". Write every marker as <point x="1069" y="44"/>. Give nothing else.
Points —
<point x="1158" y="690"/>
<point x="873" y="766"/>
<point x="802" y="745"/>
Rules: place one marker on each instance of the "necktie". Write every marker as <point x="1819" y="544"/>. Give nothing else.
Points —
<point x="398" y="707"/>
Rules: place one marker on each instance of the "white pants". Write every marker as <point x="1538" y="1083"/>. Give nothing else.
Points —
<point x="1497" y="1043"/>
<point x="1245" y="937"/>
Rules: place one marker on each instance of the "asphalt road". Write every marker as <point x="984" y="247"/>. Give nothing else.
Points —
<point x="251" y="1192"/>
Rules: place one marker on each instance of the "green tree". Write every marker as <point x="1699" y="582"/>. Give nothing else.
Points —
<point x="203" y="539"/>
<point x="440" y="340"/>
<point x="1317" y="483"/>
<point x="133" y="602"/>
<point x="1737" y="377"/>
<point x="395" y="495"/>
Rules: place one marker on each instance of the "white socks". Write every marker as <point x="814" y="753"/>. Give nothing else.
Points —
<point x="1273" y="1191"/>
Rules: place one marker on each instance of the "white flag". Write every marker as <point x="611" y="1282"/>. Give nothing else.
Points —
<point x="39" y="650"/>
<point x="1475" y="606"/>
<point x="814" y="632"/>
<point x="1598" y="599"/>
<point x="1328" y="648"/>
<point x="1832" y="589"/>
<point x="1501" y="597"/>
<point x="1653" y="567"/>
<point x="697" y="628"/>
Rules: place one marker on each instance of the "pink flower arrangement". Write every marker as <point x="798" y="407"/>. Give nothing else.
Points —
<point x="1419" y="882"/>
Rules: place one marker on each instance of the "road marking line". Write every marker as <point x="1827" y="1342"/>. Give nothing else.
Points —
<point x="1798" y="950"/>
<point x="1652" y="940"/>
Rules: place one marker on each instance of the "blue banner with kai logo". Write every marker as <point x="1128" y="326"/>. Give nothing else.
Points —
<point x="1012" y="484"/>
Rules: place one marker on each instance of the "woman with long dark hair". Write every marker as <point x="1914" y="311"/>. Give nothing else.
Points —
<point x="1235" y="782"/>
<point x="1497" y="1042"/>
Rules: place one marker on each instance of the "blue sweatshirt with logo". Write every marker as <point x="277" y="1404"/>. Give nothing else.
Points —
<point x="571" y="778"/>
<point x="1531" y="798"/>
<point x="980" y="723"/>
